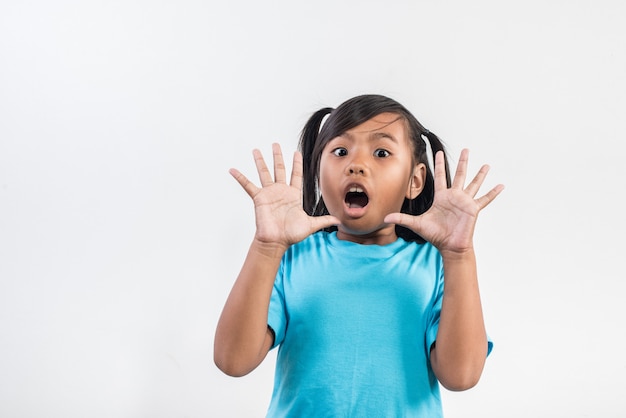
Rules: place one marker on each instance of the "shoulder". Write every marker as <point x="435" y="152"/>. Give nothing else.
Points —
<point x="315" y="240"/>
<point x="422" y="258"/>
<point x="420" y="249"/>
<point x="312" y="245"/>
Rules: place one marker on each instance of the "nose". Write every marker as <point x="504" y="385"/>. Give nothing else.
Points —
<point x="356" y="169"/>
<point x="356" y="166"/>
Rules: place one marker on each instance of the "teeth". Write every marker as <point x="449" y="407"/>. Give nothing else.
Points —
<point x="355" y="189"/>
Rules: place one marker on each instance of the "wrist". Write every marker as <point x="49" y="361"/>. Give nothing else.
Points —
<point x="268" y="249"/>
<point x="464" y="255"/>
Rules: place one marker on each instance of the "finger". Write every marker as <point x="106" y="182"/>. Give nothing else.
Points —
<point x="279" y="164"/>
<point x="461" y="170"/>
<point x="264" y="174"/>
<point x="440" y="171"/>
<point x="247" y="185"/>
<point x="490" y="196"/>
<point x="477" y="181"/>
<point x="296" y="171"/>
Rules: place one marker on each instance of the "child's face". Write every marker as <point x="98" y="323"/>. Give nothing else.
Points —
<point x="365" y="174"/>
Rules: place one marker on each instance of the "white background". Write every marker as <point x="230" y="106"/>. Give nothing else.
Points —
<point x="121" y="231"/>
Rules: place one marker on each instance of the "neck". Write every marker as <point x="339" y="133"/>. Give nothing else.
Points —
<point x="382" y="236"/>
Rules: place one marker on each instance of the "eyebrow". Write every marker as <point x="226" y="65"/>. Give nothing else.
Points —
<point x="375" y="135"/>
<point x="383" y="135"/>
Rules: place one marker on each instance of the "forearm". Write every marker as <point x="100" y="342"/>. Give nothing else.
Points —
<point x="459" y="354"/>
<point x="241" y="337"/>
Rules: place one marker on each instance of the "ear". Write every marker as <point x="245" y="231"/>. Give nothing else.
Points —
<point x="417" y="181"/>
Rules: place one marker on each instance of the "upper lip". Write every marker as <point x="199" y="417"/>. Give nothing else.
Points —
<point x="355" y="187"/>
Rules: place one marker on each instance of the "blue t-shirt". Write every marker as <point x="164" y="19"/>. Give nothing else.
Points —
<point x="355" y="324"/>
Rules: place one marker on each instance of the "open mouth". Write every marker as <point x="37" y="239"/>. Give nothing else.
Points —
<point x="356" y="198"/>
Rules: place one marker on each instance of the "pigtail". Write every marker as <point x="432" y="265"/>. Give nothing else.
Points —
<point x="425" y="200"/>
<point x="436" y="145"/>
<point x="308" y="138"/>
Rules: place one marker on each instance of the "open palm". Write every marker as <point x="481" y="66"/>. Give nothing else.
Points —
<point x="449" y="223"/>
<point x="280" y="218"/>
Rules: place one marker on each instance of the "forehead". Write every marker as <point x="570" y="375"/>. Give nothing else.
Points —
<point x="385" y="124"/>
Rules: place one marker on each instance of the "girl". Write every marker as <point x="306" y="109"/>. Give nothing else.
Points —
<point x="347" y="267"/>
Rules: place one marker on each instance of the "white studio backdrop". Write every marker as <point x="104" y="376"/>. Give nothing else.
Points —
<point x="121" y="231"/>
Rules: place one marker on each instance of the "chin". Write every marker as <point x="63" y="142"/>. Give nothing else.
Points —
<point x="365" y="231"/>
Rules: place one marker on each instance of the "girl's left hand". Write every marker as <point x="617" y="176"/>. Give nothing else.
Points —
<point x="449" y="223"/>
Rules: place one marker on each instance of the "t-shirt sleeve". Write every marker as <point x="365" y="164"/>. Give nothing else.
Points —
<point x="276" y="317"/>
<point x="435" y="314"/>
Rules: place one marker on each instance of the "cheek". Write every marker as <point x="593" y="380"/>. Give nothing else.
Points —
<point x="327" y="172"/>
<point x="399" y="182"/>
<point x="322" y="176"/>
<point x="333" y="196"/>
<point x="323" y="180"/>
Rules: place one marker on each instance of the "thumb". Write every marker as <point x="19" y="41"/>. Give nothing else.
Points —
<point x="321" y="222"/>
<point x="403" y="219"/>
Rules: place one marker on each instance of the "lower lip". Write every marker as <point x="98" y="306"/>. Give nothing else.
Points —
<point x="355" y="212"/>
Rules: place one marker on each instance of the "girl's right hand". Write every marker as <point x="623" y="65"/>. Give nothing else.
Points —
<point x="280" y="219"/>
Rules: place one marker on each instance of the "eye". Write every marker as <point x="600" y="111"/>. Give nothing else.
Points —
<point x="382" y="153"/>
<point x="340" y="152"/>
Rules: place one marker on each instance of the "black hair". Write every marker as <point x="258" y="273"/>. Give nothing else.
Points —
<point x="349" y="114"/>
